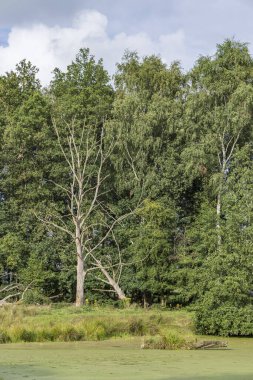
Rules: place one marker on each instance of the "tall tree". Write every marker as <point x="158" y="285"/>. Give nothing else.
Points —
<point x="28" y="251"/>
<point x="218" y="119"/>
<point x="146" y="124"/>
<point x="88" y="220"/>
<point x="82" y="99"/>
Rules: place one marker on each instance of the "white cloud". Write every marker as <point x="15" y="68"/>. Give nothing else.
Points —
<point x="49" y="47"/>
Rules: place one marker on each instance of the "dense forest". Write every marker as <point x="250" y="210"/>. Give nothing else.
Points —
<point x="136" y="188"/>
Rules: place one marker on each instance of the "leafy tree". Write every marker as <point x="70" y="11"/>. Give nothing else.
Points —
<point x="25" y="160"/>
<point x="219" y="116"/>
<point x="146" y="124"/>
<point x="82" y="99"/>
<point x="83" y="92"/>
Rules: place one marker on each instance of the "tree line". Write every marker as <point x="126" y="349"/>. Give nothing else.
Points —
<point x="133" y="188"/>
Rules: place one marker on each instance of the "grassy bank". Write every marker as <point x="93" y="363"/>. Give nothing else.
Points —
<point x="55" y="323"/>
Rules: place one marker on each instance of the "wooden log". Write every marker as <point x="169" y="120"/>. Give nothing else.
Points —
<point x="207" y="344"/>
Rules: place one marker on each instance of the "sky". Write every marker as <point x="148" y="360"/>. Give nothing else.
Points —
<point x="50" y="33"/>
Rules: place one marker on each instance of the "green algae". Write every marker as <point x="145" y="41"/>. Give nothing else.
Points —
<point x="124" y="360"/>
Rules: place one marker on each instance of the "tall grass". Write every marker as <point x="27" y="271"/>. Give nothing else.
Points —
<point x="171" y="341"/>
<point x="49" y="323"/>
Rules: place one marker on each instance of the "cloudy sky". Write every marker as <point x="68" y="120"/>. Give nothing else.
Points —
<point x="50" y="32"/>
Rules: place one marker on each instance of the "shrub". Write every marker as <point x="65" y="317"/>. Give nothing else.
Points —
<point x="225" y="321"/>
<point x="34" y="297"/>
<point x="4" y="337"/>
<point x="125" y="303"/>
<point x="136" y="327"/>
<point x="171" y="341"/>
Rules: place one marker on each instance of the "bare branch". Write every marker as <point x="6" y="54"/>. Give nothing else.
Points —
<point x="116" y="221"/>
<point x="9" y="287"/>
<point x="59" y="227"/>
<point x="79" y="149"/>
<point x="25" y="290"/>
<point x="131" y="163"/>
<point x="3" y="301"/>
<point x="104" y="290"/>
<point x="234" y="144"/>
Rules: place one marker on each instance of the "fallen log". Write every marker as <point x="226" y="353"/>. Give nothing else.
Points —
<point x="207" y="344"/>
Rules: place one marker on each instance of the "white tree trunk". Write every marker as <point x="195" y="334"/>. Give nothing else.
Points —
<point x="218" y="215"/>
<point x="79" y="282"/>
<point x="79" y="269"/>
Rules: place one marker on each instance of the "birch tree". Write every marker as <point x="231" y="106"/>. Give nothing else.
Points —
<point x="218" y="116"/>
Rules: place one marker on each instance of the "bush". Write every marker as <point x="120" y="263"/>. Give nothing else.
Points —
<point x="170" y="341"/>
<point x="34" y="297"/>
<point x="4" y="337"/>
<point x="225" y="321"/>
<point x="136" y="327"/>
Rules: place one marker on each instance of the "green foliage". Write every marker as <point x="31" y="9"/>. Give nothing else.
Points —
<point x="178" y="146"/>
<point x="225" y="320"/>
<point x="83" y="92"/>
<point x="151" y="249"/>
<point x="35" y="297"/>
<point x="4" y="338"/>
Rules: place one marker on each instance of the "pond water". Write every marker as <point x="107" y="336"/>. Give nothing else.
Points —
<point x="123" y="360"/>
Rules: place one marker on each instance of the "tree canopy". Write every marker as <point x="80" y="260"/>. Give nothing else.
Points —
<point x="140" y="184"/>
